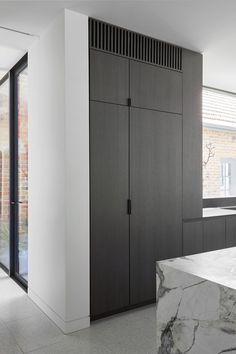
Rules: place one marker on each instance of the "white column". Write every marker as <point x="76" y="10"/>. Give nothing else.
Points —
<point x="59" y="172"/>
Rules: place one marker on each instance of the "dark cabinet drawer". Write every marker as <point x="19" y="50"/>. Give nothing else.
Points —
<point x="192" y="237"/>
<point x="231" y="231"/>
<point x="214" y="233"/>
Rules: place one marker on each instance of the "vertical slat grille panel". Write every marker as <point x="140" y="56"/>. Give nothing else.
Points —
<point x="120" y="41"/>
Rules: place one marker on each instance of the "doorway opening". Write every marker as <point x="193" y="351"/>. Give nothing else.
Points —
<point x="14" y="172"/>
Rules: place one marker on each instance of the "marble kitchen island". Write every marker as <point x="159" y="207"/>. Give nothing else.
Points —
<point x="196" y="304"/>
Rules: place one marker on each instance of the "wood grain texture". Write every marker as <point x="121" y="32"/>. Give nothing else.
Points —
<point x="231" y="231"/>
<point x="192" y="237"/>
<point x="109" y="78"/>
<point x="109" y="219"/>
<point x="214" y="234"/>
<point x="153" y="87"/>
<point x="156" y="190"/>
<point x="192" y="135"/>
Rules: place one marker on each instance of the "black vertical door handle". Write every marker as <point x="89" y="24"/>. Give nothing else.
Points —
<point x="129" y="206"/>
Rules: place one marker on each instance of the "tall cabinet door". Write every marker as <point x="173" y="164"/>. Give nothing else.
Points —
<point x="153" y="87"/>
<point x="109" y="78"/>
<point x="109" y="219"/>
<point x="156" y="193"/>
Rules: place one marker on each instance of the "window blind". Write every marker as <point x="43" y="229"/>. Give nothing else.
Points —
<point x="219" y="108"/>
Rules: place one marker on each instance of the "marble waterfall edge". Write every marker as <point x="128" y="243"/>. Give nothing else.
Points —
<point x="194" y="315"/>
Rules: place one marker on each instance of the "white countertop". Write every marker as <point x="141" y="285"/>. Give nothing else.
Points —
<point x="211" y="212"/>
<point x="217" y="266"/>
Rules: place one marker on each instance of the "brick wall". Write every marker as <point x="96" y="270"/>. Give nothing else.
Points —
<point x="4" y="176"/>
<point x="22" y="163"/>
<point x="4" y="167"/>
<point x="23" y="160"/>
<point x="224" y="143"/>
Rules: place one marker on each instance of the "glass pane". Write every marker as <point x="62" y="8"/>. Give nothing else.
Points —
<point x="4" y="174"/>
<point x="2" y="73"/>
<point x="219" y="144"/>
<point x="22" y="83"/>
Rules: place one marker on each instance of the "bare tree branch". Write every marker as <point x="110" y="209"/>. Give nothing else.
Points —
<point x="211" y="153"/>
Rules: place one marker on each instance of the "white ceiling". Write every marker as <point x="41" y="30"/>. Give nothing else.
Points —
<point x="208" y="26"/>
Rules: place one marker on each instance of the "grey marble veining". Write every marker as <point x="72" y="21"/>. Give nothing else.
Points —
<point x="196" y="314"/>
<point x="217" y="266"/>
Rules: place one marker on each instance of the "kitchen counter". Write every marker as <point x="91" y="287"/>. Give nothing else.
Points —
<point x="213" y="212"/>
<point x="196" y="303"/>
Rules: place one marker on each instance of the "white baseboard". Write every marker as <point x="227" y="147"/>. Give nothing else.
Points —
<point x="66" y="326"/>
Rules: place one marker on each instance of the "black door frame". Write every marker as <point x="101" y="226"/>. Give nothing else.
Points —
<point x="2" y="81"/>
<point x="13" y="145"/>
<point x="14" y="200"/>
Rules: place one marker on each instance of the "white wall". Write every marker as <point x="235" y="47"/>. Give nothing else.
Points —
<point x="59" y="172"/>
<point x="77" y="165"/>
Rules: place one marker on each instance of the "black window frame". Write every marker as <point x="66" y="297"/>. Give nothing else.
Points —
<point x="14" y="260"/>
<point x="12" y="75"/>
<point x="2" y="81"/>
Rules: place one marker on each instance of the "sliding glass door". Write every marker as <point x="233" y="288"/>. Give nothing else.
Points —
<point x="4" y="174"/>
<point x="22" y="173"/>
<point x="19" y="171"/>
<point x="14" y="172"/>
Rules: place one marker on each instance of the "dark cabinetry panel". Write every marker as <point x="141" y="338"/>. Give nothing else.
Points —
<point x="156" y="189"/>
<point x="155" y="88"/>
<point x="109" y="219"/>
<point x="231" y="231"/>
<point x="137" y="152"/>
<point x="109" y="78"/>
<point x="214" y="233"/>
<point x="192" y="237"/>
<point x="192" y="135"/>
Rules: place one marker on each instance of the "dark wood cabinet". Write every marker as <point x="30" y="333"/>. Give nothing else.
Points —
<point x="214" y="233"/>
<point x="109" y="78"/>
<point x="137" y="137"/>
<point x="231" y="231"/>
<point x="192" y="135"/>
<point x="192" y="237"/>
<point x="109" y="219"/>
<point x="153" y="87"/>
<point x="156" y="189"/>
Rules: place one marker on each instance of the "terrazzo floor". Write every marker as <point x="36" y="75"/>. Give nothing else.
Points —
<point x="24" y="328"/>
